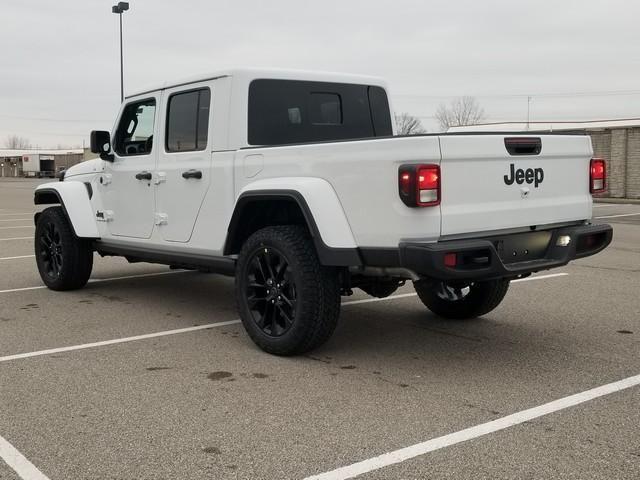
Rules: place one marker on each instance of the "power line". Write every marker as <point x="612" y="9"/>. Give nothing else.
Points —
<point x="51" y="119"/>
<point x="53" y="134"/>
<point x="525" y="95"/>
<point x="500" y="120"/>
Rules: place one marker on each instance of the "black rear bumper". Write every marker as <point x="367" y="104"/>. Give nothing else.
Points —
<point x="506" y="256"/>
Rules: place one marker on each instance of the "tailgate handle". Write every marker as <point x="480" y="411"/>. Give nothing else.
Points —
<point x="523" y="145"/>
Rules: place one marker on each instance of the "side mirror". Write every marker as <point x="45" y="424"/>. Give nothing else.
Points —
<point x="101" y="144"/>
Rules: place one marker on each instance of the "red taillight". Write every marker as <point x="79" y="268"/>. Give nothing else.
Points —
<point x="405" y="184"/>
<point x="429" y="185"/>
<point x="419" y="185"/>
<point x="597" y="175"/>
<point x="428" y="178"/>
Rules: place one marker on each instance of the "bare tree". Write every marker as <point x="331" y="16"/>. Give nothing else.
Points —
<point x="461" y="111"/>
<point x="409" y="125"/>
<point x="16" y="142"/>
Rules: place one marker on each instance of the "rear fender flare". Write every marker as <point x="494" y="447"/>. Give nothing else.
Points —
<point x="322" y="212"/>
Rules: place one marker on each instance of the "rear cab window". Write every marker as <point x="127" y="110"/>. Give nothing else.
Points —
<point x="284" y="112"/>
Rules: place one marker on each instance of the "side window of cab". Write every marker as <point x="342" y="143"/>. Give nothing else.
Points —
<point x="188" y="121"/>
<point x="134" y="135"/>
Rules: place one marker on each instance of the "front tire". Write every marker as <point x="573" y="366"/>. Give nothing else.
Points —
<point x="64" y="260"/>
<point x="288" y="302"/>
<point x="461" y="301"/>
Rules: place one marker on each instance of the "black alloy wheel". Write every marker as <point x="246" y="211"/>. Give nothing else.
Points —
<point x="64" y="260"/>
<point x="271" y="291"/>
<point x="50" y="244"/>
<point x="288" y="302"/>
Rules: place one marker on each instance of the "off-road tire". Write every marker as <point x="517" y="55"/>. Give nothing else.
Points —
<point x="315" y="287"/>
<point x="482" y="298"/>
<point x="54" y="237"/>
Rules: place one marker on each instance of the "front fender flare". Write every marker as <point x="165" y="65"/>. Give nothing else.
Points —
<point x="74" y="199"/>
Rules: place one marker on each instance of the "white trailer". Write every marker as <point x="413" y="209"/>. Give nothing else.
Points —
<point x="38" y="165"/>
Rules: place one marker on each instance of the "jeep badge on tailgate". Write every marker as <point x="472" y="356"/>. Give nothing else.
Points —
<point x="530" y="175"/>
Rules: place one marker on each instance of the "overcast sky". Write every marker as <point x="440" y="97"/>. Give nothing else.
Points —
<point x="59" y="63"/>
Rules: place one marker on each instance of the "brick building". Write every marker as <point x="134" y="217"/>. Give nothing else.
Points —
<point x="620" y="147"/>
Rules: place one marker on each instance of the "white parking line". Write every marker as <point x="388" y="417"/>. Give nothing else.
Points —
<point x="19" y="226"/>
<point x="23" y="467"/>
<point x="403" y="454"/>
<point x="117" y="340"/>
<point x="98" y="280"/>
<point x="369" y="300"/>
<point x="15" y="238"/>
<point x="15" y="258"/>
<point x="620" y="215"/>
<point x="27" y="471"/>
<point x="14" y="214"/>
<point x="540" y="277"/>
<point x="192" y="329"/>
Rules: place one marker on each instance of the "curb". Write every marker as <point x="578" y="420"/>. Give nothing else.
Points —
<point x="631" y="201"/>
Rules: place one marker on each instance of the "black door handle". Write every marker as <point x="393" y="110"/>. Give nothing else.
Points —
<point x="143" y="176"/>
<point x="192" y="174"/>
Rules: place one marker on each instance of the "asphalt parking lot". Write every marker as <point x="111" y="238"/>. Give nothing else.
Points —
<point x="146" y="374"/>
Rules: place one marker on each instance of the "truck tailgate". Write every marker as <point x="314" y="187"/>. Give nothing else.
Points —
<point x="494" y="182"/>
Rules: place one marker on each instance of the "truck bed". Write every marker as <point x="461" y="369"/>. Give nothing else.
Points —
<point x="475" y="198"/>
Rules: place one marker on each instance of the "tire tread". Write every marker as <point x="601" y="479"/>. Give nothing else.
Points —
<point x="487" y="296"/>
<point x="78" y="260"/>
<point x="320" y="291"/>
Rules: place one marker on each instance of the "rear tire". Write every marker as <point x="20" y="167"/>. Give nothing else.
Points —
<point x="64" y="260"/>
<point x="461" y="302"/>
<point x="288" y="302"/>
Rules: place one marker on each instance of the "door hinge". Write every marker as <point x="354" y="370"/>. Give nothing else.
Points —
<point x="161" y="177"/>
<point x="161" y="218"/>
<point x="104" y="215"/>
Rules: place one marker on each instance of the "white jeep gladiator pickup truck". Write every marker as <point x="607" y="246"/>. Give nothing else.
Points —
<point x="294" y="183"/>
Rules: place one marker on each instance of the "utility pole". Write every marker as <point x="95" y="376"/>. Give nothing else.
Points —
<point x="119" y="9"/>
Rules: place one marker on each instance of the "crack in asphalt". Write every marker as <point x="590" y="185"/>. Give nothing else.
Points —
<point x="614" y="269"/>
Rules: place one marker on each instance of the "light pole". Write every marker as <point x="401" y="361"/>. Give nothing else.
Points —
<point x="119" y="9"/>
